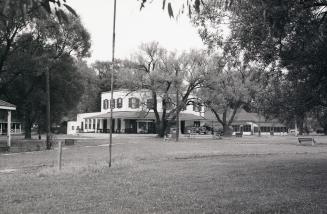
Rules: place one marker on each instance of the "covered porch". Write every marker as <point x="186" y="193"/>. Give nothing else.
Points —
<point x="132" y="122"/>
<point x="6" y="127"/>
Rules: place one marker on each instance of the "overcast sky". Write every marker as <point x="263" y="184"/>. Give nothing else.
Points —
<point x="133" y="27"/>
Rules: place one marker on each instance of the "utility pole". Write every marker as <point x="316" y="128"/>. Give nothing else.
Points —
<point x="112" y="81"/>
<point x="177" y="107"/>
<point x="47" y="82"/>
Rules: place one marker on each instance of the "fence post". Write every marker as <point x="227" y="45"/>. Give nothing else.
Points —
<point x="59" y="154"/>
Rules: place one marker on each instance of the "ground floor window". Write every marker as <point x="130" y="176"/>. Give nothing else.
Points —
<point x="236" y="128"/>
<point x="247" y="128"/>
<point x="196" y="123"/>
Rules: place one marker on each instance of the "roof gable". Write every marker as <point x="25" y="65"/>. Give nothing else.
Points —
<point x="6" y="105"/>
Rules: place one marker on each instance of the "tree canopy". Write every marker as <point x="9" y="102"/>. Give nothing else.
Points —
<point x="29" y="47"/>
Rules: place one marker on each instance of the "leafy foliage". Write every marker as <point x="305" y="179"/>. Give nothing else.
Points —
<point x="44" y="8"/>
<point x="165" y="74"/>
<point x="28" y="49"/>
<point x="230" y="85"/>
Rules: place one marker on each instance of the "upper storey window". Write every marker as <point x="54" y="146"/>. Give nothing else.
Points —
<point x="149" y="103"/>
<point x="197" y="107"/>
<point x="119" y="103"/>
<point x="133" y="102"/>
<point x="112" y="103"/>
<point x="105" y="104"/>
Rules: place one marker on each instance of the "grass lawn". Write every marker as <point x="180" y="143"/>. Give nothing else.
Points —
<point x="243" y="175"/>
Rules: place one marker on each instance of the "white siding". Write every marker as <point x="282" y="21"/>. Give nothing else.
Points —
<point x="142" y="95"/>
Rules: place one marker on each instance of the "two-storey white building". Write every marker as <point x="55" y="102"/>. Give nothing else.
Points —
<point x="132" y="113"/>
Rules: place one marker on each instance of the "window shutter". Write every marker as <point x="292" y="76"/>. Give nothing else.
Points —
<point x="130" y="102"/>
<point x="149" y="103"/>
<point x="119" y="103"/>
<point x="137" y="103"/>
<point x="112" y="103"/>
<point x="105" y="104"/>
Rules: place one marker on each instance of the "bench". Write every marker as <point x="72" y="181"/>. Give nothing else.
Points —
<point x="70" y="142"/>
<point x="238" y="134"/>
<point x="306" y="139"/>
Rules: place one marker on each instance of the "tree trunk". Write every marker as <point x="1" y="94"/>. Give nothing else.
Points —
<point x="300" y="120"/>
<point x="27" y="122"/>
<point x="27" y="129"/>
<point x="162" y="131"/>
<point x="227" y="130"/>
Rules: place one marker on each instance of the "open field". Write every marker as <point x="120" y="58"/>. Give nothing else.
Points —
<point x="233" y="175"/>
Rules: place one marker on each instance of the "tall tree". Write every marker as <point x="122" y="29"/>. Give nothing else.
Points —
<point x="45" y="46"/>
<point x="28" y="89"/>
<point x="284" y="34"/>
<point x="230" y="85"/>
<point x="89" y="101"/>
<point x="163" y="72"/>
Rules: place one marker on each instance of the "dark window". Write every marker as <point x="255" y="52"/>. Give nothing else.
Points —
<point x="112" y="103"/>
<point x="133" y="102"/>
<point x="236" y="128"/>
<point x="105" y="104"/>
<point x="196" y="123"/>
<point x="246" y="128"/>
<point x="149" y="103"/>
<point x="85" y="124"/>
<point x="197" y="107"/>
<point x="72" y="127"/>
<point x="265" y="129"/>
<point x="119" y="103"/>
<point x="93" y="123"/>
<point x="90" y="124"/>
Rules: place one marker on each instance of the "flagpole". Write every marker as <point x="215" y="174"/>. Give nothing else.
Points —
<point x="112" y="82"/>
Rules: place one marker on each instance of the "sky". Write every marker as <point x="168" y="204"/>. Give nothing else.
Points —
<point x="133" y="27"/>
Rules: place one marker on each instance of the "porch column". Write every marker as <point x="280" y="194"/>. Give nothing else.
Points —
<point x="122" y="127"/>
<point x="0" y="128"/>
<point x="96" y="125"/>
<point x="9" y="128"/>
<point x="101" y="124"/>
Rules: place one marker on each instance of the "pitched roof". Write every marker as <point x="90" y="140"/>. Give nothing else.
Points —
<point x="6" y="105"/>
<point x="142" y="115"/>
<point x="243" y="116"/>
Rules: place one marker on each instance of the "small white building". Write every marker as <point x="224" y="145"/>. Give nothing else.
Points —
<point x="132" y="113"/>
<point x="250" y="124"/>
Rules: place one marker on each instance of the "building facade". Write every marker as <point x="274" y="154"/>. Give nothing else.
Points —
<point x="132" y="113"/>
<point x="250" y="124"/>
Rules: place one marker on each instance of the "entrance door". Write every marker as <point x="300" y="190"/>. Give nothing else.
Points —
<point x="105" y="130"/>
<point x="118" y="125"/>
<point x="183" y="126"/>
<point x="113" y="125"/>
<point x="131" y="126"/>
<point x="151" y="128"/>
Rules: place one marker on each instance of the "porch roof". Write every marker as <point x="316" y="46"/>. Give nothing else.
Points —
<point x="141" y="115"/>
<point x="7" y="106"/>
